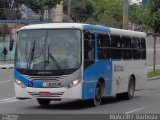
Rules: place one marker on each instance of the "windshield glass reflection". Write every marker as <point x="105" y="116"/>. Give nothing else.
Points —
<point x="49" y="49"/>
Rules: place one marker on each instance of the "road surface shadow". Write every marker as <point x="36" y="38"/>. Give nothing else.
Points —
<point x="78" y="104"/>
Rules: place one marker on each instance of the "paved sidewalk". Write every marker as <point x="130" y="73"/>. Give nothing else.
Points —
<point x="151" y="68"/>
<point x="6" y="64"/>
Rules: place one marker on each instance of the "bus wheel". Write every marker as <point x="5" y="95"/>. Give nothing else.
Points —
<point x="131" y="87"/>
<point x="43" y="102"/>
<point x="96" y="101"/>
<point x="120" y="96"/>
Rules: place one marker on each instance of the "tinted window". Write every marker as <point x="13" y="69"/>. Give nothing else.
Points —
<point x="103" y="42"/>
<point x="143" y="43"/>
<point x="89" y="46"/>
<point x="126" y="48"/>
<point x="143" y="48"/>
<point x="136" y="48"/>
<point x="116" y="41"/>
<point x="126" y="42"/>
<point x="135" y="43"/>
<point x="103" y="53"/>
<point x="116" y="47"/>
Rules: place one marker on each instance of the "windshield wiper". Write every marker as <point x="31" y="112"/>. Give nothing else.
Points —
<point x="31" y="55"/>
<point x="55" y="62"/>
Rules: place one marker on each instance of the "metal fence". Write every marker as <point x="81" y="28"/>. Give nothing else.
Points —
<point x="10" y="55"/>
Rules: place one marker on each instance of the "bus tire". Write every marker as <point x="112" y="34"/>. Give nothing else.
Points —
<point x="96" y="101"/>
<point x="43" y="102"/>
<point x="120" y="96"/>
<point x="131" y="87"/>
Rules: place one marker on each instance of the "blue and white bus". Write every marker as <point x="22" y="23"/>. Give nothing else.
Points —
<point x="59" y="61"/>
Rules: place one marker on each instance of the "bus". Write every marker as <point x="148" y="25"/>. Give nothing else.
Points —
<point x="57" y="61"/>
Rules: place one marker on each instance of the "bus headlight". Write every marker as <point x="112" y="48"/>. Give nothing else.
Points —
<point x="73" y="83"/>
<point x="19" y="83"/>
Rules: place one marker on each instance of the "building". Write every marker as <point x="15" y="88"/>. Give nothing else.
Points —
<point x="58" y="13"/>
<point x="27" y="13"/>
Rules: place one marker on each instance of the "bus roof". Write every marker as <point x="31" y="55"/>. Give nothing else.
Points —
<point x="89" y="27"/>
<point x="127" y="32"/>
<point x="54" y="25"/>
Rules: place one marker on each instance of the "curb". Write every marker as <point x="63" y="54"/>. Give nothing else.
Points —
<point x="154" y="78"/>
<point x="9" y="66"/>
<point x="151" y="67"/>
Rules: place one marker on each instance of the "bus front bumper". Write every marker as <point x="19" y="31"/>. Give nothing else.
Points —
<point x="49" y="93"/>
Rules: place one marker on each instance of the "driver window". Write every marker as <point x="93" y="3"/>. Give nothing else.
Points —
<point x="89" y="46"/>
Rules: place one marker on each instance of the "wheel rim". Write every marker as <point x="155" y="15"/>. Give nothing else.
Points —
<point x="98" y="95"/>
<point x="131" y="90"/>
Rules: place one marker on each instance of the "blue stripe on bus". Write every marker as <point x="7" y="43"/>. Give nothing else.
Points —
<point x="100" y="69"/>
<point x="96" y="28"/>
<point x="26" y="82"/>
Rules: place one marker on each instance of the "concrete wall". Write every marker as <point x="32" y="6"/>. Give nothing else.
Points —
<point x="58" y="13"/>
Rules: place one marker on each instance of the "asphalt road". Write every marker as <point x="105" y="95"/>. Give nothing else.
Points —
<point x="145" y="101"/>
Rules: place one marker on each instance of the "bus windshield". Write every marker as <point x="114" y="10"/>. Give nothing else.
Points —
<point x="53" y="49"/>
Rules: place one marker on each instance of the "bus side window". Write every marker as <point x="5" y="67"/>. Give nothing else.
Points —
<point x="136" y="48"/>
<point x="143" y="48"/>
<point x="103" y="43"/>
<point x="116" y="47"/>
<point x="126" y="46"/>
<point x="89" y="46"/>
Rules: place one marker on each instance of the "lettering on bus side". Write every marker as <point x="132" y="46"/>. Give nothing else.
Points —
<point x="118" y="68"/>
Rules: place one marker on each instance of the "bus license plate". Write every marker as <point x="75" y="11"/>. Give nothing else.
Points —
<point x="52" y="84"/>
<point x="44" y="93"/>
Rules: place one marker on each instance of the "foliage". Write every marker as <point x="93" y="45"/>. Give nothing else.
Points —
<point x="107" y="12"/>
<point x="10" y="9"/>
<point x="38" y="6"/>
<point x="80" y="10"/>
<point x="155" y="14"/>
<point x="153" y="74"/>
<point x="3" y="30"/>
<point x="140" y="14"/>
<point x="148" y="14"/>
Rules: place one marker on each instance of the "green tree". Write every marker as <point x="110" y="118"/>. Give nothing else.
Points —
<point x="154" y="14"/>
<point x="3" y="30"/>
<point x="38" y="6"/>
<point x="149" y="15"/>
<point x="140" y="15"/>
<point x="10" y="9"/>
<point x="107" y="12"/>
<point x="80" y="10"/>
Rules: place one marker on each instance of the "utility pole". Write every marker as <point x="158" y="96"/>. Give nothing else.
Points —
<point x="58" y="13"/>
<point x="125" y="14"/>
<point x="154" y="52"/>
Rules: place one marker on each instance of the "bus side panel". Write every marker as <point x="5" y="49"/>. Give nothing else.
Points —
<point x="122" y="71"/>
<point x="92" y="74"/>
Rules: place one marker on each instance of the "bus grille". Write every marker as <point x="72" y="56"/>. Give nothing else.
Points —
<point x="45" y="78"/>
<point x="57" y="95"/>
